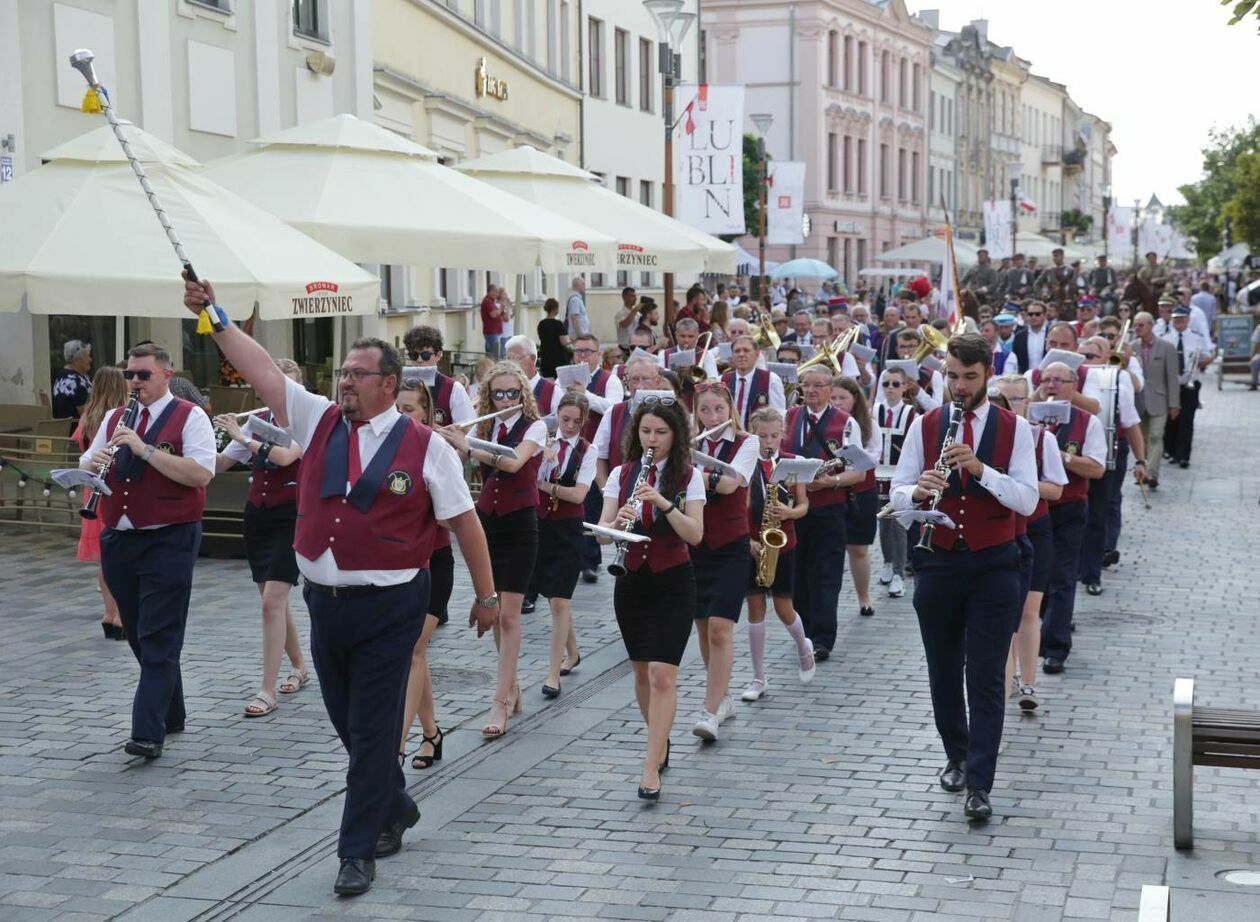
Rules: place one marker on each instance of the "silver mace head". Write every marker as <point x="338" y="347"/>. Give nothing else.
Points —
<point x="81" y="61"/>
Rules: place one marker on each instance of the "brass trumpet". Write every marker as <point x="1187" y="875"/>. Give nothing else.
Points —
<point x="1117" y="351"/>
<point x="823" y="355"/>
<point x="933" y="341"/>
<point x="765" y="335"/>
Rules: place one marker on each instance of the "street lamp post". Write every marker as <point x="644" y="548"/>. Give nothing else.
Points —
<point x="1137" y="227"/>
<point x="763" y="121"/>
<point x="1014" y="170"/>
<point x="671" y="28"/>
<point x="1106" y="202"/>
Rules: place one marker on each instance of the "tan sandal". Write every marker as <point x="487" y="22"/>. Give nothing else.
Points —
<point x="267" y="702"/>
<point x="294" y="681"/>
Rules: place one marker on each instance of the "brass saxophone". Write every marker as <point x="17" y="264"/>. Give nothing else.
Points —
<point x="771" y="537"/>
<point x="941" y="467"/>
<point x="618" y="565"/>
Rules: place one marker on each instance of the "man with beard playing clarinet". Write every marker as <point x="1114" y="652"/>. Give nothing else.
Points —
<point x="967" y="585"/>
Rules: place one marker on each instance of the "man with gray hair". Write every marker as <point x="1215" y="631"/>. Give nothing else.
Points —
<point x="71" y="386"/>
<point x="521" y="350"/>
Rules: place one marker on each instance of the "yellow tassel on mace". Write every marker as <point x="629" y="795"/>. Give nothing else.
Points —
<point x="204" y="326"/>
<point x="91" y="102"/>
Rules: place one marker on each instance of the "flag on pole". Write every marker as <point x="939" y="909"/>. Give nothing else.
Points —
<point x="950" y="307"/>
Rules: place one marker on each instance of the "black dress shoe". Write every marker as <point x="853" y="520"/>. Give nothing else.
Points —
<point x="178" y="728"/>
<point x="443" y="617"/>
<point x="355" y="877"/>
<point x="590" y="576"/>
<point x="551" y="691"/>
<point x="866" y="612"/>
<point x="953" y="776"/>
<point x="527" y="606"/>
<point x="565" y="670"/>
<point x="1052" y="666"/>
<point x="649" y="793"/>
<point x="1183" y="464"/>
<point x="1111" y="558"/>
<point x="977" y="806"/>
<point x="821" y="654"/>
<point x="146" y="748"/>
<point x="389" y="842"/>
<point x="1093" y="588"/>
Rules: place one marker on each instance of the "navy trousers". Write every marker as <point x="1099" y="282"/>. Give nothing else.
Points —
<point x="1111" y="539"/>
<point x="149" y="573"/>
<point x="820" y="538"/>
<point x="591" y="556"/>
<point x="361" y="646"/>
<point x="1104" y="493"/>
<point x="967" y="603"/>
<point x="1068" y="522"/>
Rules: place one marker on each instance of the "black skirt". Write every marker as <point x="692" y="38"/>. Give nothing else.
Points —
<point x="784" y="577"/>
<point x="654" y="613"/>
<point x="1041" y="534"/>
<point x="268" y="532"/>
<point x="513" y="541"/>
<point x="442" y="580"/>
<point x="860" y="514"/>
<point x="721" y="579"/>
<point x="559" y="558"/>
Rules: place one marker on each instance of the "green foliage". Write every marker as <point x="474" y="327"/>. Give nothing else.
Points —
<point x="1201" y="217"/>
<point x="1244" y="207"/>
<point x="1075" y="219"/>
<point x="1242" y="9"/>
<point x="752" y="202"/>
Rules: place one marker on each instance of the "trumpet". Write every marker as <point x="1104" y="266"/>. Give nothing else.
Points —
<point x="128" y="419"/>
<point x="1117" y="351"/>
<point x="824" y="354"/>
<point x="933" y="341"/>
<point x="941" y="467"/>
<point x="846" y="339"/>
<point x="618" y="565"/>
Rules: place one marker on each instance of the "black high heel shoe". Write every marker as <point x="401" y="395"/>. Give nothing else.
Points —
<point x="664" y="765"/>
<point x="418" y="761"/>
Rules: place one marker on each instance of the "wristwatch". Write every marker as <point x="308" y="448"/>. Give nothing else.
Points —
<point x="148" y="452"/>
<point x="490" y="601"/>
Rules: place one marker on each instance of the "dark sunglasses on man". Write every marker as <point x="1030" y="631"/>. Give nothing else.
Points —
<point x="422" y="356"/>
<point x="893" y="384"/>
<point x="144" y="374"/>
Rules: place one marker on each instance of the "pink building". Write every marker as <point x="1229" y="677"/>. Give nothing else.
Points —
<point x="847" y="83"/>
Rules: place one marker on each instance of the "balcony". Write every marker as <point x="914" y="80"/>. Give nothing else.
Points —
<point x="1074" y="160"/>
<point x="1050" y="222"/>
<point x="1052" y="153"/>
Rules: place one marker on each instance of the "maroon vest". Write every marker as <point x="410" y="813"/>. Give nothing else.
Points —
<point x="142" y="494"/>
<point x="726" y="514"/>
<point x="273" y="486"/>
<point x="1071" y="439"/>
<point x="666" y="550"/>
<point x="617" y="419"/>
<point x="544" y="392"/>
<point x="981" y="519"/>
<point x="502" y="492"/>
<point x="566" y="478"/>
<point x="756" y="506"/>
<point x="824" y="442"/>
<point x="598" y="386"/>
<point x="441" y="394"/>
<point x="758" y="395"/>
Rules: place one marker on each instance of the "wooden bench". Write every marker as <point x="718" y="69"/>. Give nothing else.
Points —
<point x="1221" y="737"/>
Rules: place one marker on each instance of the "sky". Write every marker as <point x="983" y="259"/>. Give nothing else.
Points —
<point x="1162" y="80"/>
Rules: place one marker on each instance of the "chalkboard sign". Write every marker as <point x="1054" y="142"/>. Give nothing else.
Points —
<point x="1233" y="335"/>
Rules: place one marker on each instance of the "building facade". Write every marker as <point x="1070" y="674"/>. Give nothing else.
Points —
<point x="944" y="82"/>
<point x="1041" y="143"/>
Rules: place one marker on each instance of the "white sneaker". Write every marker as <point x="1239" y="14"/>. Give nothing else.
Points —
<point x="756" y="688"/>
<point x="807" y="665"/>
<point x="895" y="588"/>
<point x="707" y="727"/>
<point x="726" y="709"/>
<point x="886" y="575"/>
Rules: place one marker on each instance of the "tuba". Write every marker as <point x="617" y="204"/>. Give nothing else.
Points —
<point x="771" y="537"/>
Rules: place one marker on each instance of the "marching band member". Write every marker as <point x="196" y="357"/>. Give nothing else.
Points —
<point x="1194" y="353"/>
<point x="751" y="387"/>
<point x="521" y="350"/>
<point x="967" y="588"/>
<point x="451" y="403"/>
<point x="818" y="430"/>
<point x="268" y="523"/>
<point x="602" y="393"/>
<point x="893" y="415"/>
<point x="720" y="560"/>
<point x="931" y="385"/>
<point x="379" y="483"/>
<point x="153" y="532"/>
<point x="564" y="479"/>
<point x="863" y="504"/>
<point x="507" y="508"/>
<point x="416" y="401"/>
<point x="641" y="374"/>
<point x="790" y="505"/>
<point x="1083" y="395"/>
<point x="655" y="600"/>
<point x="1037" y="542"/>
<point x="686" y="335"/>
<point x="1083" y="450"/>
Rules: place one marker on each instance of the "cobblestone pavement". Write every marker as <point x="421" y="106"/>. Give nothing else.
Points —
<point x="817" y="803"/>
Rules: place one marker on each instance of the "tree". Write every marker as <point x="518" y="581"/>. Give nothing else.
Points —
<point x="1242" y="9"/>
<point x="1243" y="208"/>
<point x="752" y="200"/>
<point x="1201" y="216"/>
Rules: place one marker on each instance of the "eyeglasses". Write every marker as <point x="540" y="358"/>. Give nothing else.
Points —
<point x="896" y="384"/>
<point x="705" y="386"/>
<point x="144" y="374"/>
<point x="581" y="351"/>
<point x="358" y="374"/>
<point x="510" y="394"/>
<point x="1056" y="380"/>
<point x="651" y="399"/>
<point x="422" y="356"/>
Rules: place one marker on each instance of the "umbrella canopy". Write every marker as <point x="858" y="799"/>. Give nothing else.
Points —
<point x="804" y="269"/>
<point x="376" y="197"/>
<point x="81" y="238"/>
<point x="930" y="250"/>
<point x="750" y="263"/>
<point x="1230" y="258"/>
<point x="646" y="239"/>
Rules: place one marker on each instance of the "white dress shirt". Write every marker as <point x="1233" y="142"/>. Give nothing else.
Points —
<point x="1016" y="489"/>
<point x="708" y="361"/>
<point x="461" y="404"/>
<point x="585" y="473"/>
<point x="536" y="433"/>
<point x="613" y="394"/>
<point x="1128" y="415"/>
<point x="1036" y="347"/>
<point x="241" y="453"/>
<point x="852" y="431"/>
<point x="694" y="492"/>
<point x="1192" y="341"/>
<point x="1052" y="469"/>
<point x="603" y="435"/>
<point x="926" y="401"/>
<point x="745" y="460"/>
<point x="443" y="478"/>
<point x="777" y="400"/>
<point x="197" y="439"/>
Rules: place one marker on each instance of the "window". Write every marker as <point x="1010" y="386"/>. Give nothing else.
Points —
<point x="566" y="43"/>
<point x="496" y="18"/>
<point x="902" y="184"/>
<point x="645" y="199"/>
<point x="623" y="186"/>
<point x="704" y="56"/>
<point x="518" y="24"/>
<point x="861" y="252"/>
<point x="621" y="65"/>
<point x="595" y="53"/>
<point x="861" y="169"/>
<point x="531" y="30"/>
<point x="883" y="171"/>
<point x="885" y="76"/>
<point x="931" y="182"/>
<point x="914" y="177"/>
<point x="914" y="88"/>
<point x="833" y="251"/>
<point x="848" y="258"/>
<point x="931" y="109"/>
<point x="645" y="75"/>
<point x="833" y="49"/>
<point x="831" y="161"/>
<point x="861" y="63"/>
<point x="848" y="63"/>
<point x="903" y="84"/>
<point x="551" y="37"/>
<point x="848" y="163"/>
<point x="479" y="12"/>
<point x="307" y="19"/>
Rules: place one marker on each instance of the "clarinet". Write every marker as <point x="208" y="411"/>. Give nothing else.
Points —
<point x="941" y="467"/>
<point x="129" y="417"/>
<point x="618" y="565"/>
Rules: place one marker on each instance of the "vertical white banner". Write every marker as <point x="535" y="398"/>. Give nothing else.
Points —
<point x="948" y="300"/>
<point x="1119" y="232"/>
<point x="1154" y="237"/>
<point x="997" y="228"/>
<point x="709" y="158"/>
<point x="785" y="202"/>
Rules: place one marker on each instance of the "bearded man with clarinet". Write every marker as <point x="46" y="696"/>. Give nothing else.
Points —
<point x="967" y="578"/>
<point x="157" y="474"/>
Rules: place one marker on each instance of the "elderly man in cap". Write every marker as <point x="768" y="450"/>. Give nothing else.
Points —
<point x="1194" y="353"/>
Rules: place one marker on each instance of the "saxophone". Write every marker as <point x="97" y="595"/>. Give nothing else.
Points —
<point x="771" y="537"/>
<point x="618" y="565"/>
<point x="941" y="467"/>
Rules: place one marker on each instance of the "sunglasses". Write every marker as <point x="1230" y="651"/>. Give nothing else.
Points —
<point x="1035" y="313"/>
<point x="896" y="384"/>
<point x="705" y="386"/>
<point x="510" y="394"/>
<point x="651" y="399"/>
<point x="422" y="356"/>
<point x="1091" y="355"/>
<point x="144" y="374"/>
<point x="357" y="374"/>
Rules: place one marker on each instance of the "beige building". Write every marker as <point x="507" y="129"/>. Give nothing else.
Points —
<point x="1041" y="134"/>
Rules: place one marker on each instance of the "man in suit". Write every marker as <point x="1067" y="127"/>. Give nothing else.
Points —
<point x="1160" y="399"/>
<point x="1029" y="343"/>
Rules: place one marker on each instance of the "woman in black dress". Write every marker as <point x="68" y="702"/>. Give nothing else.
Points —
<point x="656" y="598"/>
<point x="553" y="340"/>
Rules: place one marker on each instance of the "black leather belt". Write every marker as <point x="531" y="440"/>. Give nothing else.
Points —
<point x="346" y="592"/>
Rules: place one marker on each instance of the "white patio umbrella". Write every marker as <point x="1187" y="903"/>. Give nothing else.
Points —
<point x="375" y="197"/>
<point x="646" y="239"/>
<point x="1041" y="247"/>
<point x="79" y="237"/>
<point x="929" y="250"/>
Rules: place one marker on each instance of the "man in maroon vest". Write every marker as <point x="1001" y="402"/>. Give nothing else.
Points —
<point x="372" y="487"/>
<point x="451" y="403"/>
<point x="750" y="386"/>
<point x="152" y="534"/>
<point x="521" y="350"/>
<point x="602" y="394"/>
<point x="1063" y="336"/>
<point x="967" y="582"/>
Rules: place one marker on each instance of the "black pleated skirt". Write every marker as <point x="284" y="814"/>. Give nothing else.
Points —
<point x="654" y="613"/>
<point x="442" y="580"/>
<point x="513" y="541"/>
